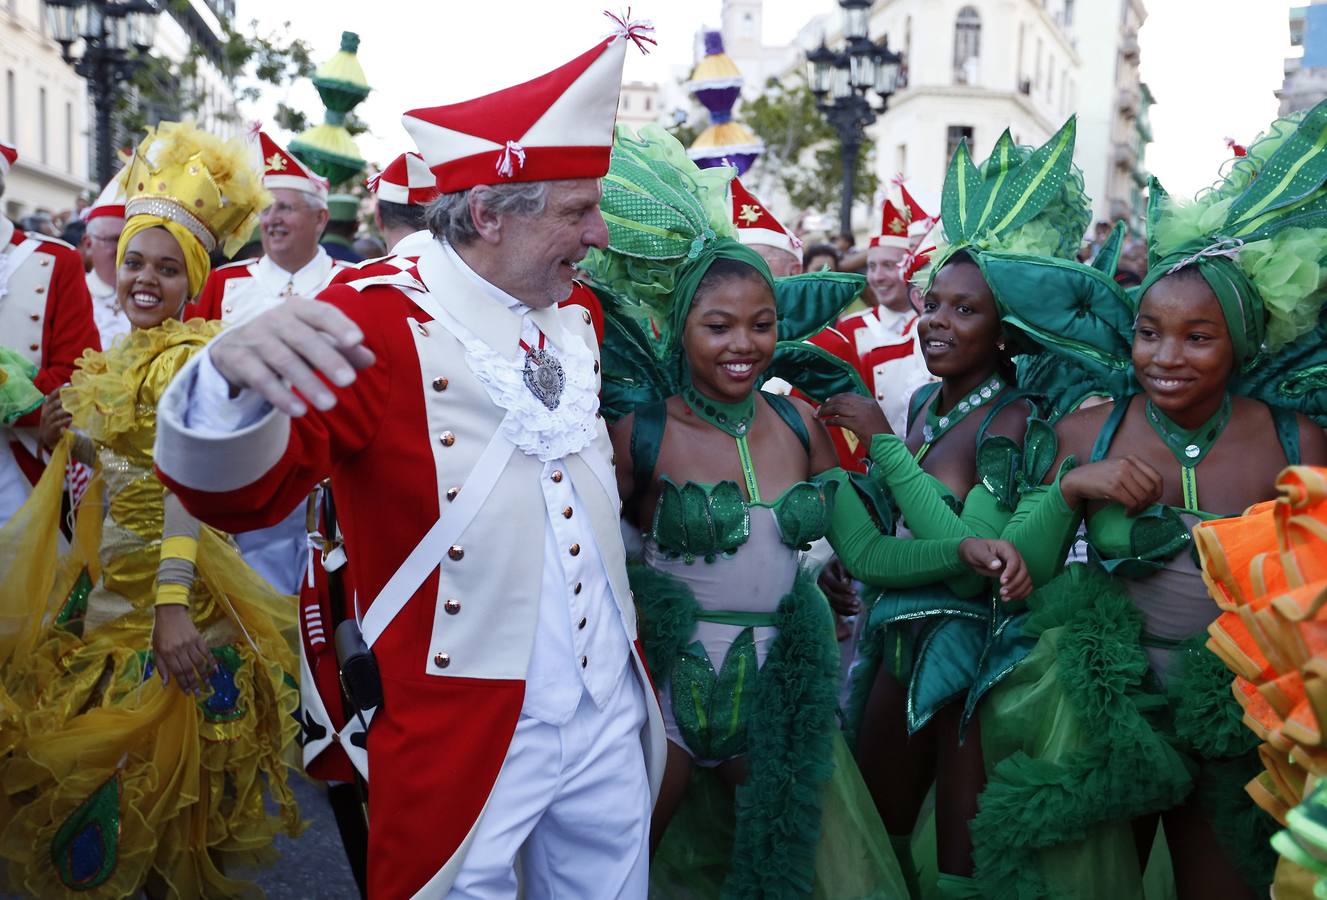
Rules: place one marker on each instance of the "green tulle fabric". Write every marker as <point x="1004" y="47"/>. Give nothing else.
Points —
<point x="1020" y="200"/>
<point x="1075" y="749"/>
<point x="775" y="819"/>
<point x="18" y="395"/>
<point x="1208" y="724"/>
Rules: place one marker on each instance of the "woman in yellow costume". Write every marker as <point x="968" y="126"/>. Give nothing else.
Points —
<point x="146" y="701"/>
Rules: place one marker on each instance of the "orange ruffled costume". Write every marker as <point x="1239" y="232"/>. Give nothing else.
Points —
<point x="108" y="780"/>
<point x="1267" y="570"/>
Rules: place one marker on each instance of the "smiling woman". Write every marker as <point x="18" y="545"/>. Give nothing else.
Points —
<point x="152" y="667"/>
<point x="728" y="484"/>
<point x="1228" y="332"/>
<point x="152" y="282"/>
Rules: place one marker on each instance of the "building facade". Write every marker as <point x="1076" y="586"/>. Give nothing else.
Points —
<point x="1110" y="103"/>
<point x="44" y="113"/>
<point x="639" y="104"/>
<point x="1305" y="81"/>
<point x="973" y="68"/>
<point x="194" y="31"/>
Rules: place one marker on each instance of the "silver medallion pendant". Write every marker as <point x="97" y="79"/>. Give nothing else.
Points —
<point x="545" y="377"/>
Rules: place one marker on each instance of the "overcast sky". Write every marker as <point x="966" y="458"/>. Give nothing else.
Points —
<point x="1212" y="64"/>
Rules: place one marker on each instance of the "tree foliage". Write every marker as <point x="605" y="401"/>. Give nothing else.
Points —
<point x="802" y="149"/>
<point x="248" y="60"/>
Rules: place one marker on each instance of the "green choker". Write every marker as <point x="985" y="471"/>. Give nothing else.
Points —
<point x="731" y="418"/>
<point x="1189" y="446"/>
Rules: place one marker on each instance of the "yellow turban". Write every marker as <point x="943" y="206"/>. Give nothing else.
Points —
<point x="196" y="262"/>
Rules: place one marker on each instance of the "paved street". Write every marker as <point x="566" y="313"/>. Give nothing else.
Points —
<point x="313" y="866"/>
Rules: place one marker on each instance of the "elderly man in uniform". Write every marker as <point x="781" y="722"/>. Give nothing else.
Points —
<point x="45" y="318"/>
<point x="454" y="405"/>
<point x="884" y="337"/>
<point x="105" y="221"/>
<point x="293" y="264"/>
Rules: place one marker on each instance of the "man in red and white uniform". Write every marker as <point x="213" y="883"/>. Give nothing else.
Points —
<point x="45" y="317"/>
<point x="884" y="337"/>
<point x="293" y="264"/>
<point x="105" y="221"/>
<point x="457" y="416"/>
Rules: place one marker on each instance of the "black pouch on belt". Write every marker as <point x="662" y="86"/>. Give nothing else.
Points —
<point x="358" y="667"/>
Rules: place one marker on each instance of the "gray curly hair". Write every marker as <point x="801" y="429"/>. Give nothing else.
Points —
<point x="448" y="217"/>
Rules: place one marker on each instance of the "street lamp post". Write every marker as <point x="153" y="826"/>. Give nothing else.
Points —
<point x="115" y="36"/>
<point x="852" y="86"/>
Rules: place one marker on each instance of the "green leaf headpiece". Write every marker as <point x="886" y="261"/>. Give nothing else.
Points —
<point x="1020" y="200"/>
<point x="1258" y="237"/>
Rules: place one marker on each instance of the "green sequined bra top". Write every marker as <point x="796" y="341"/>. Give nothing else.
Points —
<point x="695" y="520"/>
<point x="705" y="521"/>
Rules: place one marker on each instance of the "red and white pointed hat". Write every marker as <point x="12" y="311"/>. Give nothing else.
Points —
<point x="907" y="220"/>
<point x="556" y="126"/>
<point x="281" y="170"/>
<point x="8" y="156"/>
<point x="893" y="228"/>
<point x="756" y="225"/>
<point x="406" y="180"/>
<point x="111" y="200"/>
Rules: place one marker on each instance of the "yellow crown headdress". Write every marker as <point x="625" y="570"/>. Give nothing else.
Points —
<point x="205" y="184"/>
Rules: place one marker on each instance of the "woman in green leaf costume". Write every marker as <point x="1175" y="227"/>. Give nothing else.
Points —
<point x="937" y="641"/>
<point x="1119" y="713"/>
<point x="727" y="484"/>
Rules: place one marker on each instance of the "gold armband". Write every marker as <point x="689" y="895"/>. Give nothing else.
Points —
<point x="172" y="595"/>
<point x="180" y="547"/>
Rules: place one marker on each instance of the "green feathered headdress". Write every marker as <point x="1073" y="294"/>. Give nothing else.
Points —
<point x="1258" y="236"/>
<point x="668" y="222"/>
<point x="1020" y="200"/>
<point x="1021" y="215"/>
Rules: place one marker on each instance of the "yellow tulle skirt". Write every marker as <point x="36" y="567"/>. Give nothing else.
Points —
<point x="110" y="782"/>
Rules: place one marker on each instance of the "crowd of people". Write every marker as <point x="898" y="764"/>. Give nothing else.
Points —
<point x="637" y="548"/>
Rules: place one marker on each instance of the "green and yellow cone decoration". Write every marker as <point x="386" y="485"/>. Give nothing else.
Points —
<point x="328" y="148"/>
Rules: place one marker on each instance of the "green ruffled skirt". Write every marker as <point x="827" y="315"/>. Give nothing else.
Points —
<point x="803" y="824"/>
<point x="1079" y="741"/>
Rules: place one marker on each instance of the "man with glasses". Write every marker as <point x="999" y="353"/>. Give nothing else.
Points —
<point x="293" y="263"/>
<point x="105" y="221"/>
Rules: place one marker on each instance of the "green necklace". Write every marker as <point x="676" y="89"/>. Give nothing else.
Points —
<point x="1189" y="446"/>
<point x="733" y="419"/>
<point x="937" y="426"/>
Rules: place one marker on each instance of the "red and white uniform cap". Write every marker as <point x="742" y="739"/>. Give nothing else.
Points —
<point x="556" y="126"/>
<point x="406" y="180"/>
<point x="282" y="170"/>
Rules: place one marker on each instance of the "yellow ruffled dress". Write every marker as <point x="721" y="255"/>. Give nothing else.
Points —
<point x="110" y="782"/>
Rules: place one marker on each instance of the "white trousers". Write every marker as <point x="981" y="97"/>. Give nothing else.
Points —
<point x="573" y="803"/>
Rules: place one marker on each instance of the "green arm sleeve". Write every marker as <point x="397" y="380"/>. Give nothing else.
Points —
<point x="1043" y="528"/>
<point x="885" y="561"/>
<point x="926" y="513"/>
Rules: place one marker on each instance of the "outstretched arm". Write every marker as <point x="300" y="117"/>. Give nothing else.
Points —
<point x="238" y="445"/>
